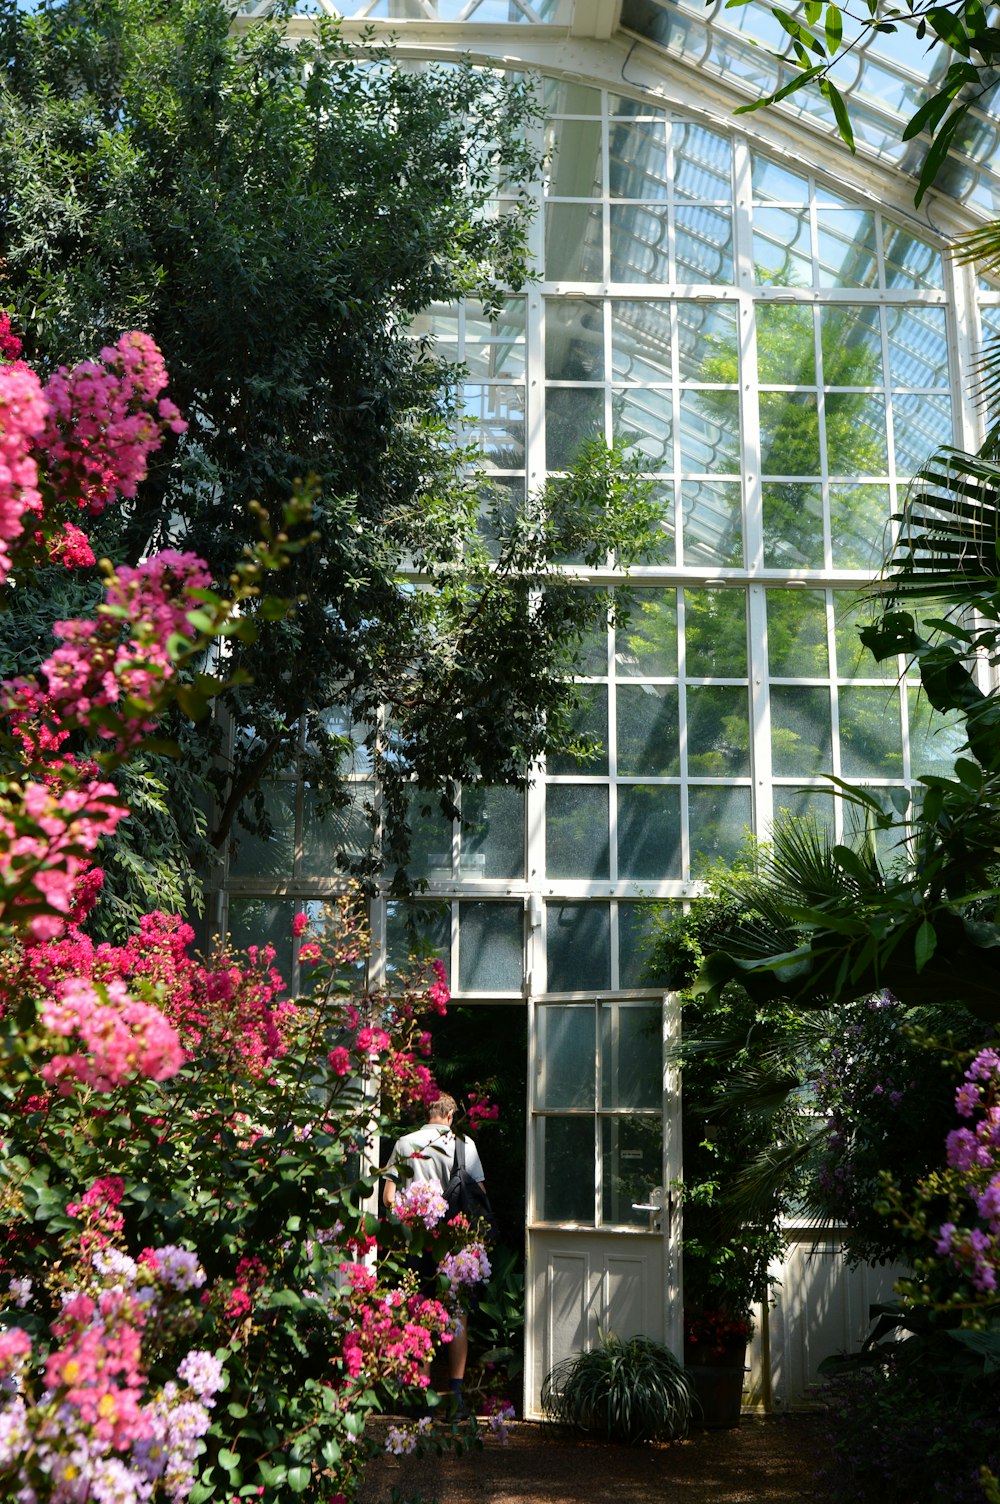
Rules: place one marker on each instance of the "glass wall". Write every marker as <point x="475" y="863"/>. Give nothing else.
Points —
<point x="780" y="358"/>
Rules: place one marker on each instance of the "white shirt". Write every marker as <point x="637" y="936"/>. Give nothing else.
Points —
<point x="430" y="1151"/>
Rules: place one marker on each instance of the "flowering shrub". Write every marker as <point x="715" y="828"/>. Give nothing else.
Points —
<point x="886" y="1086"/>
<point x="716" y="1332"/>
<point x="183" y="1150"/>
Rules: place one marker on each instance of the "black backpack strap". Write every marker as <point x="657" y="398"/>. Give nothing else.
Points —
<point x="459" y="1153"/>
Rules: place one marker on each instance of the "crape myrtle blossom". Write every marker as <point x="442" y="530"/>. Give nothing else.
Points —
<point x="83" y="1422"/>
<point x="467" y="1267"/>
<point x="973" y="1154"/>
<point x="420" y="1201"/>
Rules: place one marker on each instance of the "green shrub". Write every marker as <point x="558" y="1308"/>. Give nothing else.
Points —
<point x="633" y="1391"/>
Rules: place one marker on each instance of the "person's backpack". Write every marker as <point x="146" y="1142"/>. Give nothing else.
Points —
<point x="466" y="1195"/>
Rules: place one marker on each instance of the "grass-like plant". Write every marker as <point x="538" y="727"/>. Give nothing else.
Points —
<point x="630" y="1390"/>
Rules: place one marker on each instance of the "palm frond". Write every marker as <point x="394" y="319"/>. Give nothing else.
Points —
<point x="949" y="533"/>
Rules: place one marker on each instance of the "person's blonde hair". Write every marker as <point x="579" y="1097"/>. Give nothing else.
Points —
<point x="442" y="1107"/>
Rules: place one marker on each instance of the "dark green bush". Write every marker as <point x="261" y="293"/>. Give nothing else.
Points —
<point x="630" y="1390"/>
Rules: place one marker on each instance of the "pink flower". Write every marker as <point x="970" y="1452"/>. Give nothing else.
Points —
<point x="300" y="924"/>
<point x="340" y="1060"/>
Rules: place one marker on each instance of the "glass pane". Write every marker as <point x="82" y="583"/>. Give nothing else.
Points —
<point x="493" y="419"/>
<point x="573" y="415"/>
<point x="495" y="347"/>
<point x="800" y="731"/>
<point x="646" y="645"/>
<point x="859" y="526"/>
<point x="853" y="659"/>
<point x="573" y="150"/>
<point x="702" y="164"/>
<point x="936" y="740"/>
<point x="639" y="244"/>
<point x="918" y="347"/>
<point x="781" y="247"/>
<point x="337" y="834"/>
<point x="574" y="339"/>
<point x="640" y="341"/>
<point x="855" y="433"/>
<point x="590" y="720"/>
<point x="417" y="929"/>
<point x="786" y="350"/>
<point x="576" y="831"/>
<point x="793" y="525"/>
<point x="852" y="346"/>
<point x="720" y="823"/>
<point x="270" y="856"/>
<point x="578" y="946"/>
<point x="703" y="240"/>
<point x="430" y="837"/>
<point x="710" y="431"/>
<point x="648" y="731"/>
<point x="910" y="262"/>
<point x="567" y="1056"/>
<point x="848" y="253"/>
<point x="718" y="731"/>
<point x="708" y="339"/>
<point x="574" y="243"/>
<point x="712" y="522"/>
<point x="490" y="947"/>
<point x="564" y="1154"/>
<point x="631" y="1056"/>
<point x="804" y="804"/>
<point x="492" y="832"/>
<point x="796" y="634"/>
<point x="649" y="831"/>
<point x="921" y="425"/>
<point x="635" y="928"/>
<point x="265" y="921"/>
<point x="637" y="159"/>
<point x="774" y="184"/>
<point x="715" y="633"/>
<point x="869" y="732"/>
<point x="789" y="433"/>
<point x="631" y="1168"/>
<point x="642" y="422"/>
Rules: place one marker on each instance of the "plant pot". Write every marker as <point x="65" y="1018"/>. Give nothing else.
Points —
<point x="717" y="1384"/>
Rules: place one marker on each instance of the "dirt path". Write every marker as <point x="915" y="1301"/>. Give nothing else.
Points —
<point x="767" y="1461"/>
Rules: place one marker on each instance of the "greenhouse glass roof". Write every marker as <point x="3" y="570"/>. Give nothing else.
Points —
<point x="741" y="49"/>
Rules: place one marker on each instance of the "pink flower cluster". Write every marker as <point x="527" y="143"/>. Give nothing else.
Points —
<point x="96" y="670"/>
<point x="481" y="1110"/>
<point x="975" y="1153"/>
<point x="23" y="411"/>
<point x="121" y="1038"/>
<point x="223" y="1006"/>
<point x="467" y="1267"/>
<point x="394" y="1336"/>
<point x="45" y="837"/>
<point x="105" y="420"/>
<point x="95" y="1431"/>
<point x="420" y="1201"/>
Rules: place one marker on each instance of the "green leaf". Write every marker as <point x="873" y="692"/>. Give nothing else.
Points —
<point x="834" y="28"/>
<point x="298" y="1479"/>
<point x="843" y="119"/>
<point x="925" y="944"/>
<point x="813" y="10"/>
<point x="798" y="32"/>
<point x="948" y="26"/>
<point x="939" y="149"/>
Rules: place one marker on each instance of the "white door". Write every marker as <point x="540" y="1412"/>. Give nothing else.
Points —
<point x="603" y="1150"/>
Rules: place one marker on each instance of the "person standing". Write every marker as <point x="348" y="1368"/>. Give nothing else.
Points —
<point x="429" y="1153"/>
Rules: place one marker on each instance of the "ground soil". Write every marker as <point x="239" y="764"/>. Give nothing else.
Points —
<point x="762" y="1461"/>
